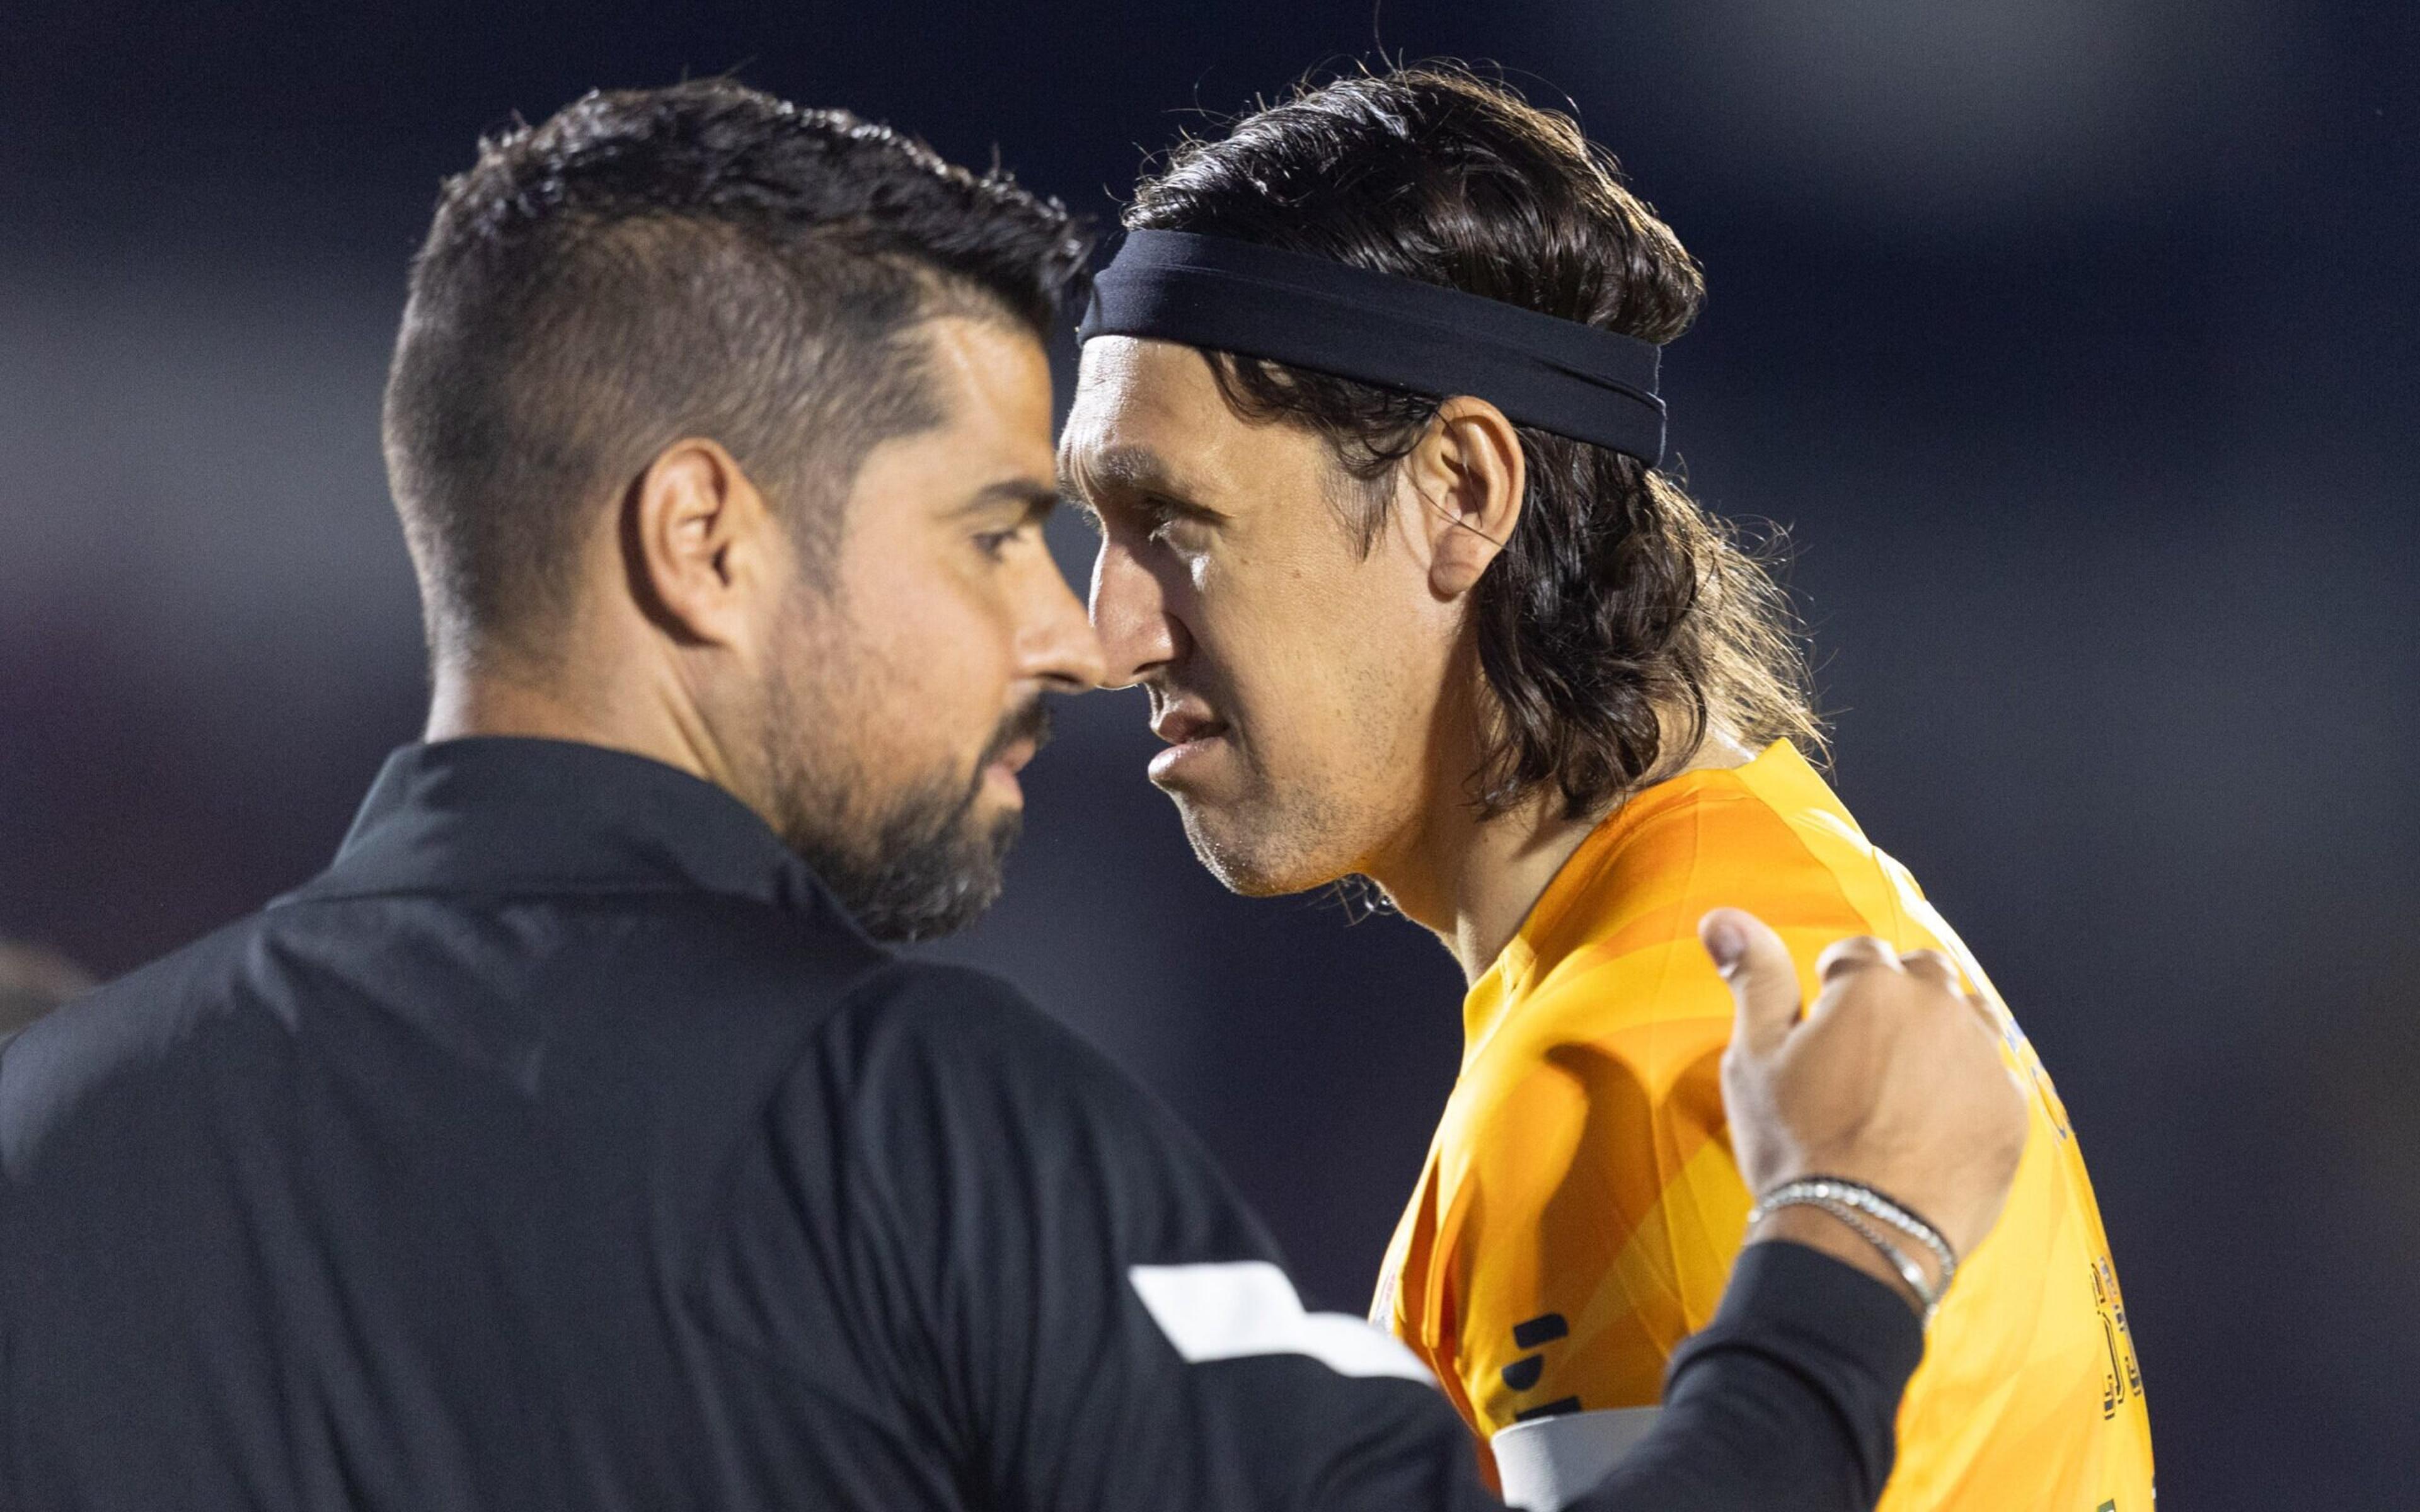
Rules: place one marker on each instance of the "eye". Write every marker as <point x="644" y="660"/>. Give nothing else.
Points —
<point x="1181" y="534"/>
<point x="1167" y="521"/>
<point x="993" y="544"/>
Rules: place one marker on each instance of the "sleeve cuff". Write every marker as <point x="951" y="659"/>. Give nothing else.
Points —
<point x="1846" y="1336"/>
<point x="1796" y="1291"/>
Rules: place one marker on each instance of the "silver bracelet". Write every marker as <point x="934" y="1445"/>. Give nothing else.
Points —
<point x="1908" y="1270"/>
<point x="1844" y="1200"/>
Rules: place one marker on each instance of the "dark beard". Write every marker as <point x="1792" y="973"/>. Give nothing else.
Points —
<point x="922" y="866"/>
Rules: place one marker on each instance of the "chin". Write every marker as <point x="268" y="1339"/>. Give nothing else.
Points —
<point x="1256" y="856"/>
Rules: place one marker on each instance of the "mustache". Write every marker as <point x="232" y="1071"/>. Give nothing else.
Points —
<point x="1029" y="721"/>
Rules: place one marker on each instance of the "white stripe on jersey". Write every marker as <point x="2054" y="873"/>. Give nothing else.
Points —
<point x="1236" y="1309"/>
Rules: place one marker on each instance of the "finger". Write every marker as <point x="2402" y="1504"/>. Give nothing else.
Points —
<point x="1936" y="968"/>
<point x="1989" y="1023"/>
<point x="1763" y="979"/>
<point x="1859" y="952"/>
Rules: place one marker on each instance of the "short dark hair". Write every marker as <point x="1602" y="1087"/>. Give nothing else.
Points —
<point x="1618" y="605"/>
<point x="700" y="259"/>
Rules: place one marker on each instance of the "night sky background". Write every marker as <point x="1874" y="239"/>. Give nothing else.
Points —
<point x="2074" y="341"/>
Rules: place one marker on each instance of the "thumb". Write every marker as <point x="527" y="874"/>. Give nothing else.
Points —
<point x="1763" y="979"/>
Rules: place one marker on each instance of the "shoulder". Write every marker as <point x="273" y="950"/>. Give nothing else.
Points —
<point x="1609" y="1008"/>
<point x="134" y="1037"/>
<point x="962" y="1020"/>
<point x="1770" y="837"/>
<point x="954" y="1047"/>
<point x="950" y="1094"/>
<point x="1723" y="842"/>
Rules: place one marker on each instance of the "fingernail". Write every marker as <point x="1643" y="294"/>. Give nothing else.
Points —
<point x="1725" y="944"/>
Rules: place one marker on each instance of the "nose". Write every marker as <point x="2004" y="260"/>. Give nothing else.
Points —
<point x="1131" y="612"/>
<point x="1058" y="647"/>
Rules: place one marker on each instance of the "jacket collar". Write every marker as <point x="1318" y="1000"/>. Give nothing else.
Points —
<point x="508" y="814"/>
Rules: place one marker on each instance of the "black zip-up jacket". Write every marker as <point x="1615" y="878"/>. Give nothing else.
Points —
<point x="564" y="1146"/>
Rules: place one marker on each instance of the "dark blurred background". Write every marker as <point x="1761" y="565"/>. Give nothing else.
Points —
<point x="2073" y="340"/>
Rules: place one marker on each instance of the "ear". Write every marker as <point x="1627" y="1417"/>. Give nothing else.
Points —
<point x="700" y="545"/>
<point x="1468" y="476"/>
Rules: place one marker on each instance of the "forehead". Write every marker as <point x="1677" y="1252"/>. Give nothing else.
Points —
<point x="993" y="383"/>
<point x="989" y="384"/>
<point x="1148" y="414"/>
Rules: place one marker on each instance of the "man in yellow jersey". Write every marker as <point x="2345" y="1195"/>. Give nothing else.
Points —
<point x="1368" y="418"/>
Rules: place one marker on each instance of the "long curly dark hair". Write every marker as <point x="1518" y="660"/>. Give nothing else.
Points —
<point x="1621" y="624"/>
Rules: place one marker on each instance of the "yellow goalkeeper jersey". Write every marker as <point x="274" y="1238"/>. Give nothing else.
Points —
<point x="1579" y="1209"/>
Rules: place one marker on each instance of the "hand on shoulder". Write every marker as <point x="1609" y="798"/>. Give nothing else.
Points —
<point x="1892" y="1079"/>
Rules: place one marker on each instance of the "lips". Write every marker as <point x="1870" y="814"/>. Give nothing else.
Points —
<point x="1183" y="722"/>
<point x="1019" y="739"/>
<point x="1012" y="758"/>
<point x="1190" y="731"/>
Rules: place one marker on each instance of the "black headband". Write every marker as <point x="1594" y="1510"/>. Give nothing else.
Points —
<point x="1238" y="297"/>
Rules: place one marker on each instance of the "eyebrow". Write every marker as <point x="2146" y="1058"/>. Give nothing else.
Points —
<point x="1038" y="498"/>
<point x="1128" y="469"/>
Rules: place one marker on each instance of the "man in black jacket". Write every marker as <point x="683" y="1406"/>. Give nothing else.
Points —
<point x="571" y="1142"/>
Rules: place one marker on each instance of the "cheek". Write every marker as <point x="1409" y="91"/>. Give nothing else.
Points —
<point x="937" y="666"/>
<point x="1291" y="667"/>
<point x="1362" y="674"/>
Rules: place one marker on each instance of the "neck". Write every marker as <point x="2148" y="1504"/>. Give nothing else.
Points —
<point x="501" y="696"/>
<point x="1472" y="882"/>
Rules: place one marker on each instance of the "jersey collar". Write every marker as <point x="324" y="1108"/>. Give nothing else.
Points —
<point x="513" y="814"/>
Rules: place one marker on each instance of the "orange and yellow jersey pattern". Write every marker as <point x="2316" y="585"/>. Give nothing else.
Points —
<point x="1579" y="1209"/>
